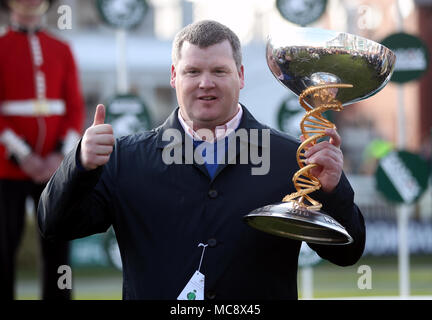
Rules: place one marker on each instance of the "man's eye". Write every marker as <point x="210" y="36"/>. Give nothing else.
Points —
<point x="192" y="72"/>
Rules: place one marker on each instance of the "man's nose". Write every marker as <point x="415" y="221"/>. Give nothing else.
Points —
<point x="206" y="81"/>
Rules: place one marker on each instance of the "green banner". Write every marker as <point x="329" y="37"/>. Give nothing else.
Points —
<point x="127" y="114"/>
<point x="412" y="56"/>
<point x="301" y="12"/>
<point x="122" y="14"/>
<point x="402" y="177"/>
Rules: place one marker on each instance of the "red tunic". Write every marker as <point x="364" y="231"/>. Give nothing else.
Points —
<point x="33" y="68"/>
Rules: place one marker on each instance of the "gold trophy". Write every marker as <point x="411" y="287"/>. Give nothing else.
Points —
<point x="327" y="70"/>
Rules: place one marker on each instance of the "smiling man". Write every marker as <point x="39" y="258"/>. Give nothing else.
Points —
<point x="179" y="225"/>
<point x="207" y="82"/>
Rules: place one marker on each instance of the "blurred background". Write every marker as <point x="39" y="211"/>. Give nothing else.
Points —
<point x="398" y="120"/>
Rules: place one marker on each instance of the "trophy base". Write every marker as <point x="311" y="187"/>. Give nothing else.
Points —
<point x="286" y="219"/>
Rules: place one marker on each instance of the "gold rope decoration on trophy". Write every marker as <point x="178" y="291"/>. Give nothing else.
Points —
<point x="313" y="126"/>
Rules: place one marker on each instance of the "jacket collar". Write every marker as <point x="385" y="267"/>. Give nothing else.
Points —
<point x="172" y="122"/>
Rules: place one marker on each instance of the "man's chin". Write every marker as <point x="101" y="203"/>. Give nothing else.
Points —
<point x="207" y="123"/>
<point x="207" y="116"/>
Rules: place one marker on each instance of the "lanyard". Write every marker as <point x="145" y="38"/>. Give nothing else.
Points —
<point x="202" y="254"/>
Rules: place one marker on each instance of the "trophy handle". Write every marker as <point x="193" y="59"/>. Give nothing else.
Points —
<point x="313" y="126"/>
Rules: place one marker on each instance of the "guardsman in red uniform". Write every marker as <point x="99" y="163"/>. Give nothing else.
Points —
<point x="41" y="118"/>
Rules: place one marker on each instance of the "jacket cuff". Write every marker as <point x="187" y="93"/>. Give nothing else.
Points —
<point x="73" y="158"/>
<point x="337" y="202"/>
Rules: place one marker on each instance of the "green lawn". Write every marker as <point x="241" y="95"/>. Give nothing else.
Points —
<point x="329" y="281"/>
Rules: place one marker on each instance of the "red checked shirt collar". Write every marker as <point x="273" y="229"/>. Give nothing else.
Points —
<point x="221" y="131"/>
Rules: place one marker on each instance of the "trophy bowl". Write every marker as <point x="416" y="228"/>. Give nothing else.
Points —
<point x="327" y="70"/>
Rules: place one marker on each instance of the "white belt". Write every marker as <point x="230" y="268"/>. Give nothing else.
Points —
<point x="32" y="107"/>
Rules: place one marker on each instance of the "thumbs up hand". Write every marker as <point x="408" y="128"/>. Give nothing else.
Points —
<point x="98" y="141"/>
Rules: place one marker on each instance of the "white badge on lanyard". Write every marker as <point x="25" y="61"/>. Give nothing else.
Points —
<point x="194" y="289"/>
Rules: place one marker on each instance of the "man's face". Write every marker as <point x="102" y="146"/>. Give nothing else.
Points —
<point x="207" y="84"/>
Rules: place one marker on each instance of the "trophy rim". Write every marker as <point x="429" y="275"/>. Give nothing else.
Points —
<point x="319" y="39"/>
<point x="300" y="223"/>
<point x="270" y="36"/>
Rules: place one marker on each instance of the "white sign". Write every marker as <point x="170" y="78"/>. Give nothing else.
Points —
<point x="410" y="59"/>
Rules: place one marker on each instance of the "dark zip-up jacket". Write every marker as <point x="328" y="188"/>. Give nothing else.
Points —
<point x="161" y="212"/>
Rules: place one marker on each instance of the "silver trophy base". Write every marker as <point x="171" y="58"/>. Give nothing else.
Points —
<point x="286" y="219"/>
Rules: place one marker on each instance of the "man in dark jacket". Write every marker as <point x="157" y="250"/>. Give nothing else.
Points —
<point x="176" y="195"/>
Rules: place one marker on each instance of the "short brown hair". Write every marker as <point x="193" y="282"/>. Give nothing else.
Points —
<point x="206" y="33"/>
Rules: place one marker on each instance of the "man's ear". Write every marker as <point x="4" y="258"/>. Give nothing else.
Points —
<point x="241" y="75"/>
<point x="173" y="76"/>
